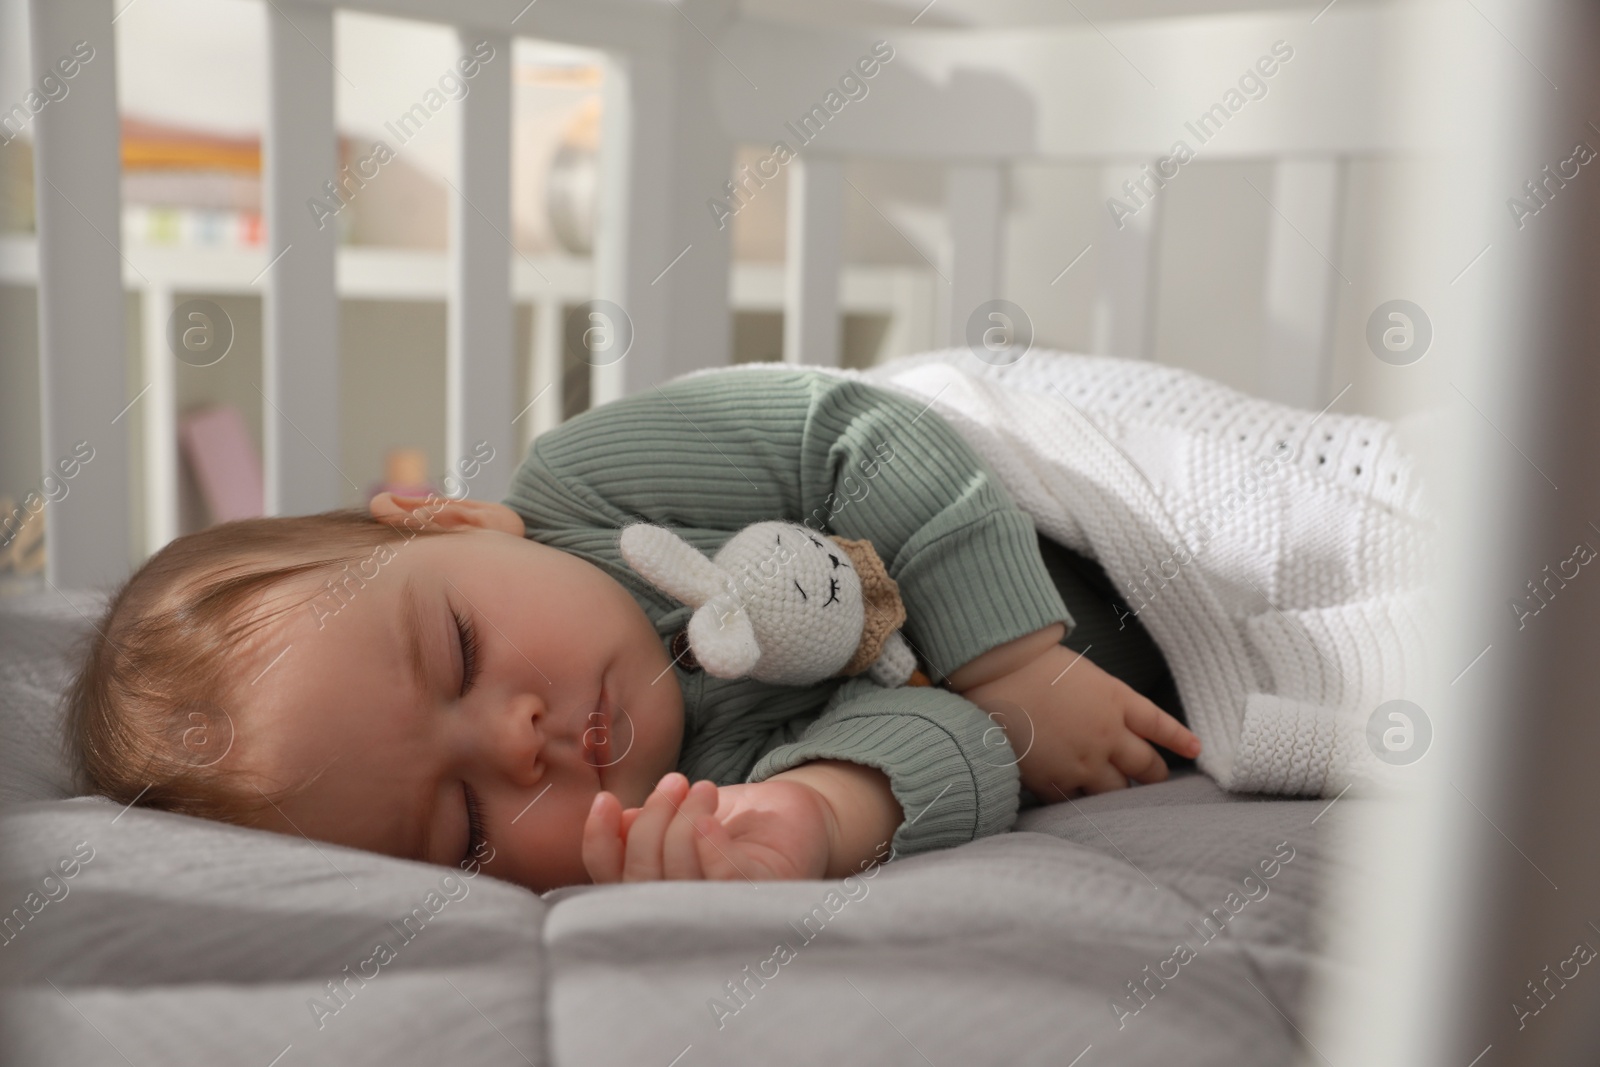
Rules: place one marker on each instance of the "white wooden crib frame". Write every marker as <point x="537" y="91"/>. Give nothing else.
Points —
<point x="679" y="98"/>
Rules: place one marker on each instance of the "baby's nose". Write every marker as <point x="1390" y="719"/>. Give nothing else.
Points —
<point x="522" y="738"/>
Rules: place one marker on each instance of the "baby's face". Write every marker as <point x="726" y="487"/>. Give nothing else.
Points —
<point x="553" y="686"/>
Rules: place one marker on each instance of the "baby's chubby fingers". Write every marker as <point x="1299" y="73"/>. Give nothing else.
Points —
<point x="629" y="817"/>
<point x="1104" y="779"/>
<point x="1137" y="760"/>
<point x="680" y="856"/>
<point x="716" y="848"/>
<point x="602" y="839"/>
<point x="1151" y="723"/>
<point x="642" y="855"/>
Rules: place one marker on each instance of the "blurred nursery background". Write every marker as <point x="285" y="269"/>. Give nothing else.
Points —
<point x="192" y="85"/>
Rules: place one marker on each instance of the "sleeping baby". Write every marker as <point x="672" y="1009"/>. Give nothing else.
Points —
<point x="502" y="686"/>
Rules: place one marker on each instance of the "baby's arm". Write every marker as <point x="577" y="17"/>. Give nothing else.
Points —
<point x="880" y="773"/>
<point x="861" y="808"/>
<point x="710" y="454"/>
<point x="1075" y="727"/>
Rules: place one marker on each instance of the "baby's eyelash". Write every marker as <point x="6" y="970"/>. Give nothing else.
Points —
<point x="469" y="652"/>
<point x="475" y="832"/>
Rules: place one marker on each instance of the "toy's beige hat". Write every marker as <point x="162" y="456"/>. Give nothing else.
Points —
<point x="880" y="600"/>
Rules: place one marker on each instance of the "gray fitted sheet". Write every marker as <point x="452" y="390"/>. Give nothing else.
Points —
<point x="184" y="941"/>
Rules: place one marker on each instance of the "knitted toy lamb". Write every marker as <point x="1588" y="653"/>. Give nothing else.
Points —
<point x="780" y="604"/>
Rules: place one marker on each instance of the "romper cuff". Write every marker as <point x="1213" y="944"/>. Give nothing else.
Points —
<point x="949" y="765"/>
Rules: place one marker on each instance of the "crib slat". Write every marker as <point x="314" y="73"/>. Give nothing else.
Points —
<point x="975" y="208"/>
<point x="658" y="252"/>
<point x="300" y="312"/>
<point x="82" y="376"/>
<point x="1127" y="252"/>
<point x="632" y="232"/>
<point x="912" y="300"/>
<point x="160" y="410"/>
<point x="544" y="372"/>
<point x="811" y="275"/>
<point x="481" y="371"/>
<point x="1302" y="283"/>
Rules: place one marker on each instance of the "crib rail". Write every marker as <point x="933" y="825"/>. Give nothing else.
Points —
<point x="679" y="96"/>
<point x="83" y="383"/>
<point x="980" y="102"/>
<point x="300" y="312"/>
<point x="480" y="360"/>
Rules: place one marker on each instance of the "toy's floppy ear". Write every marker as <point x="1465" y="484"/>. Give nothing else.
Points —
<point x="671" y="564"/>
<point x="723" y="639"/>
<point x="894" y="664"/>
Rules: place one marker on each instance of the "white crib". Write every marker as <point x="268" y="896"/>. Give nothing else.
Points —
<point x="680" y="96"/>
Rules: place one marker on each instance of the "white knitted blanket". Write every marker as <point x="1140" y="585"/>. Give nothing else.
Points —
<point x="1275" y="555"/>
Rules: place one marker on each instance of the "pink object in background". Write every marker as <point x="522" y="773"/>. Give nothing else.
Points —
<point x="405" y="473"/>
<point x="218" y="447"/>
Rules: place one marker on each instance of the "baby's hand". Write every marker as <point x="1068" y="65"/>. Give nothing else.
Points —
<point x="1082" y="730"/>
<point x="759" y="831"/>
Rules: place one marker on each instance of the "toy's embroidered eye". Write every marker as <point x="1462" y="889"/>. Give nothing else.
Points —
<point x="835" y="560"/>
<point x="802" y="592"/>
<point x="833" y="591"/>
<point x="813" y="540"/>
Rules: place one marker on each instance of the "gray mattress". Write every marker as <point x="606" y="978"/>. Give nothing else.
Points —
<point x="183" y="941"/>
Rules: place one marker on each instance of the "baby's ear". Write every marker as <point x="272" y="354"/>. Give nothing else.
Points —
<point x="442" y="512"/>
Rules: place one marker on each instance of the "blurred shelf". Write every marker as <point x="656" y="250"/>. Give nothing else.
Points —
<point x="373" y="273"/>
<point x="159" y="274"/>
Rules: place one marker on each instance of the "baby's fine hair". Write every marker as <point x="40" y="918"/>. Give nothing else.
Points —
<point x="147" y="716"/>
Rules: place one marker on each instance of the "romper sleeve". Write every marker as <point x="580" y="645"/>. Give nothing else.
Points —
<point x="718" y="451"/>
<point x="949" y="765"/>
